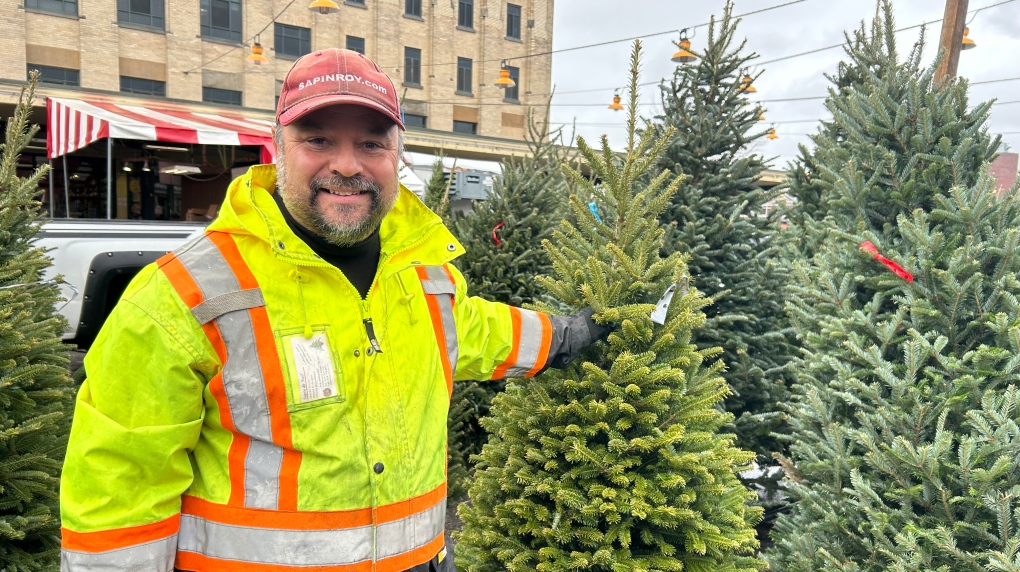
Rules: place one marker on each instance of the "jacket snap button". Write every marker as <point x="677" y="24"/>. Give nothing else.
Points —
<point x="356" y="353"/>
<point x="378" y="468"/>
<point x="451" y="247"/>
<point x="281" y="245"/>
<point x="368" y="352"/>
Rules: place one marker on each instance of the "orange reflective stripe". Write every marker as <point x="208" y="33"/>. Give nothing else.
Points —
<point x="414" y="505"/>
<point x="117" y="538"/>
<point x="272" y="372"/>
<point x="515" y="337"/>
<point x="181" y="280"/>
<point x="543" y="348"/>
<point x="446" y="269"/>
<point x="437" y="325"/>
<point x="310" y="520"/>
<point x="202" y="563"/>
<point x="402" y="562"/>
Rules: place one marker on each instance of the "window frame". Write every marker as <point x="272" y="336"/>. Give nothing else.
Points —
<point x="49" y="80"/>
<point x="207" y="91"/>
<point x="423" y="124"/>
<point x="465" y="72"/>
<point x="473" y="131"/>
<point x="33" y="5"/>
<point x="229" y="34"/>
<point x="281" y="39"/>
<point x="347" y="44"/>
<point x="466" y="13"/>
<point x="412" y="73"/>
<point x="124" y="14"/>
<point x="513" y="21"/>
<point x="151" y="92"/>
<point x="411" y="12"/>
<point x="515" y="74"/>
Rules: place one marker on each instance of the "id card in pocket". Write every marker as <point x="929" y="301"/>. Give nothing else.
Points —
<point x="315" y="374"/>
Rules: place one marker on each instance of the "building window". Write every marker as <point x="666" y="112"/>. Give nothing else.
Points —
<point x="464" y="75"/>
<point x="412" y="120"/>
<point x="292" y="40"/>
<point x="68" y="7"/>
<point x="412" y="8"/>
<point x="466" y="14"/>
<point x="223" y="96"/>
<point x="513" y="21"/>
<point x="412" y="66"/>
<point x="511" y="92"/>
<point x="355" y="2"/>
<point x="148" y="13"/>
<point x="356" y="44"/>
<point x="221" y="19"/>
<point x="143" y="86"/>
<point x="58" y="76"/>
<point x="465" y="127"/>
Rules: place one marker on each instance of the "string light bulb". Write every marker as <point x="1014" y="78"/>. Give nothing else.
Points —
<point x="684" y="55"/>
<point x="256" y="56"/>
<point x="615" y="105"/>
<point x="967" y="43"/>
<point x="324" y="6"/>
<point x="504" y="76"/>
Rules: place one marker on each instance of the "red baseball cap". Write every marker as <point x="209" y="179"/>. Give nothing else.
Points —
<point x="333" y="76"/>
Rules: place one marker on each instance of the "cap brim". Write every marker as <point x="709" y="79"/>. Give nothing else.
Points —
<point x="313" y="103"/>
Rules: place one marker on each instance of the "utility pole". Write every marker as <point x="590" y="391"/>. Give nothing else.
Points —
<point x="952" y="37"/>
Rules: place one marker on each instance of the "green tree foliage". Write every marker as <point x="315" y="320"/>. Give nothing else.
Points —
<point x="906" y="411"/>
<point x="35" y="389"/>
<point x="502" y="238"/>
<point x="718" y="218"/>
<point x="437" y="191"/>
<point x="615" y="463"/>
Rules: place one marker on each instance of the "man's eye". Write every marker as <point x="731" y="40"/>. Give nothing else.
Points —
<point x="317" y="141"/>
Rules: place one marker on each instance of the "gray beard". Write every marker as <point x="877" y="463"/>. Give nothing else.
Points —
<point x="336" y="233"/>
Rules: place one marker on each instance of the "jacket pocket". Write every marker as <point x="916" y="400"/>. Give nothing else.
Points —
<point x="314" y="376"/>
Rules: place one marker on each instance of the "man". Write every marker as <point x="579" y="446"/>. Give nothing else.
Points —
<point x="273" y="396"/>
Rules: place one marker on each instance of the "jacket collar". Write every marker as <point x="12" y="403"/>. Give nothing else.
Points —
<point x="410" y="232"/>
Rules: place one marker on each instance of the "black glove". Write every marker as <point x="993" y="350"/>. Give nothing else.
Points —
<point x="572" y="334"/>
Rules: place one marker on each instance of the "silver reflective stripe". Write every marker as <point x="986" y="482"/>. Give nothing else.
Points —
<point x="230" y="302"/>
<point x="311" y="547"/>
<point x="406" y="534"/>
<point x="242" y="373"/>
<point x="530" y="344"/>
<point x="262" y="475"/>
<point x="155" y="556"/>
<point x="438" y="287"/>
<point x="437" y="276"/>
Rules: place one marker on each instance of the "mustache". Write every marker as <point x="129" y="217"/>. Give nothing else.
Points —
<point x="355" y="183"/>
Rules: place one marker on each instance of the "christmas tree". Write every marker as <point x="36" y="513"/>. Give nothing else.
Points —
<point x="502" y="238"/>
<point x="615" y="463"/>
<point x="437" y="190"/>
<point x="35" y="389"/>
<point x="718" y="217"/>
<point x="905" y="414"/>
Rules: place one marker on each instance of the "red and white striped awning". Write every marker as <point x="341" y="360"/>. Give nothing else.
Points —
<point x="75" y="123"/>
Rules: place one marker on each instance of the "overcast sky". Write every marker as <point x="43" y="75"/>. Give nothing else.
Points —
<point x="785" y="31"/>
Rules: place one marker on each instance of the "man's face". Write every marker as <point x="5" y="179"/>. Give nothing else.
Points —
<point x="337" y="171"/>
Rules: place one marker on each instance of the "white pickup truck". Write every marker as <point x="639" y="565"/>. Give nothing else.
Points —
<point x="97" y="259"/>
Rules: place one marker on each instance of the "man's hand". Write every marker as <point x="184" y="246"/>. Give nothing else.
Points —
<point x="575" y="333"/>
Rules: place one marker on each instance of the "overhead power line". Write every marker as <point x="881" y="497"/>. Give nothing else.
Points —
<point x="231" y="50"/>
<point x="617" y="41"/>
<point x="797" y="55"/>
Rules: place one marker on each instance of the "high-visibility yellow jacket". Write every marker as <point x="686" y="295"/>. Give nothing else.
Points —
<point x="246" y="409"/>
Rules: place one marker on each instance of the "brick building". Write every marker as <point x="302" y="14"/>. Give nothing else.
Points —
<point x="188" y="57"/>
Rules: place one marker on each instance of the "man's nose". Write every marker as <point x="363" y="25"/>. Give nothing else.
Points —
<point x="345" y="162"/>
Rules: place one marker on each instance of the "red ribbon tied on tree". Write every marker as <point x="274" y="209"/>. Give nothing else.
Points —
<point x="496" y="238"/>
<point x="866" y="246"/>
